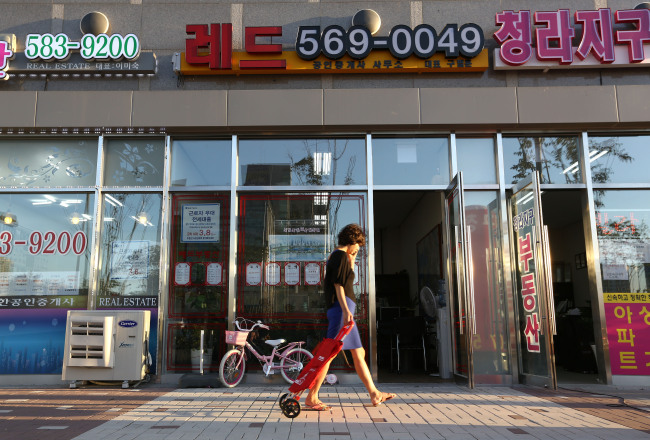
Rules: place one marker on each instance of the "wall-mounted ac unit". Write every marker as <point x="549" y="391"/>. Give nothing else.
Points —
<point x="106" y="345"/>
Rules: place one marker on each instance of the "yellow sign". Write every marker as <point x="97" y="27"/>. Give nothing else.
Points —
<point x="626" y="297"/>
<point x="373" y="63"/>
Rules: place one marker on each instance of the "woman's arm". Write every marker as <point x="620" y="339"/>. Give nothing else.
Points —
<point x="340" y="296"/>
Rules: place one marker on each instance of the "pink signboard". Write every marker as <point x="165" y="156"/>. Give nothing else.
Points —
<point x="628" y="332"/>
<point x="544" y="39"/>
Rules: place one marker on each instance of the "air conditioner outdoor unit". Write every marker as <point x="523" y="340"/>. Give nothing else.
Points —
<point x="106" y="345"/>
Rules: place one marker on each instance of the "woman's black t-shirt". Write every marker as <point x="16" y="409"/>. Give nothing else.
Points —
<point x="338" y="271"/>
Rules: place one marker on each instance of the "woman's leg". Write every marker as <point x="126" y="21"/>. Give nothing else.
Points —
<point x="361" y="367"/>
<point x="312" y="398"/>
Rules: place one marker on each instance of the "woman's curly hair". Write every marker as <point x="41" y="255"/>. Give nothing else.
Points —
<point x="352" y="234"/>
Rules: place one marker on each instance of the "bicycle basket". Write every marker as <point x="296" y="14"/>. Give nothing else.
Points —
<point x="236" y="338"/>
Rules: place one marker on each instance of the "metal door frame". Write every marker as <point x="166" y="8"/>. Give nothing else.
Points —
<point x="464" y="280"/>
<point x="544" y="284"/>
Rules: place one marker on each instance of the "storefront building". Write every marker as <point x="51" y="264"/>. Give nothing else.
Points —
<point x="198" y="160"/>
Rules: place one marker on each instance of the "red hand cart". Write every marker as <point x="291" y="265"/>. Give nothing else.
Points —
<point x="325" y="351"/>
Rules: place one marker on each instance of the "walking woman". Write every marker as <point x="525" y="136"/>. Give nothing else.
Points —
<point x="339" y="281"/>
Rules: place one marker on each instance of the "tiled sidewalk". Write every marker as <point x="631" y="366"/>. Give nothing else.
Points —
<point x="63" y="413"/>
<point x="419" y="412"/>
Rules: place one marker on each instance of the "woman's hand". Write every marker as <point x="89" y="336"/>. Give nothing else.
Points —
<point x="347" y="316"/>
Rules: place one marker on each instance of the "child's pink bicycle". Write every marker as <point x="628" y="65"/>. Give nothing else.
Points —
<point x="292" y="357"/>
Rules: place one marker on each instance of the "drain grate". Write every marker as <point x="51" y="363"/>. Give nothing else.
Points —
<point x="517" y="431"/>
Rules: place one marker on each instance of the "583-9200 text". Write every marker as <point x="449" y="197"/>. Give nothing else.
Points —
<point x="48" y="243"/>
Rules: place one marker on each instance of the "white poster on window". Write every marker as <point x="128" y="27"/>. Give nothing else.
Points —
<point x="312" y="274"/>
<point x="214" y="274"/>
<point x="253" y="274"/>
<point x="292" y="274"/>
<point x="298" y="247"/>
<point x="130" y="260"/>
<point x="200" y="223"/>
<point x="182" y="274"/>
<point x="615" y="272"/>
<point x="272" y="276"/>
<point x="357" y="271"/>
<point x="39" y="283"/>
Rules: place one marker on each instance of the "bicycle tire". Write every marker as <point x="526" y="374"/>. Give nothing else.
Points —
<point x="298" y="357"/>
<point x="231" y="374"/>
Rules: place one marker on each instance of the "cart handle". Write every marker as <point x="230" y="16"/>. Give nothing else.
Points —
<point x="344" y="331"/>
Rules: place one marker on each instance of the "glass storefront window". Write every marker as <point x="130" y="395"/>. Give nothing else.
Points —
<point x="201" y="162"/>
<point x="284" y="243"/>
<point x="47" y="163"/>
<point x="45" y="250"/>
<point x="199" y="255"/>
<point x="623" y="227"/>
<point x="410" y="161"/>
<point x="619" y="159"/>
<point x="198" y="284"/>
<point x="490" y="343"/>
<point x="130" y="250"/>
<point x="134" y="161"/>
<point x="302" y="162"/>
<point x="555" y="158"/>
<point x="476" y="159"/>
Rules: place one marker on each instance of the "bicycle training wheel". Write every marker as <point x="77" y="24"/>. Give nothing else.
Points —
<point x="231" y="370"/>
<point x="293" y="363"/>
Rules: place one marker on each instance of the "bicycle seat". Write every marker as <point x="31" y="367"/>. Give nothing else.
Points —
<point x="275" y="342"/>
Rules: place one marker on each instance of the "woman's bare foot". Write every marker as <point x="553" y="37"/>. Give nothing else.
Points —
<point x="379" y="397"/>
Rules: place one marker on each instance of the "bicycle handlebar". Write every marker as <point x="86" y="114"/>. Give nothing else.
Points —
<point x="257" y="324"/>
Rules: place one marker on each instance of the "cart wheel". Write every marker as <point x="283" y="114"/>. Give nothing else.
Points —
<point x="290" y="408"/>
<point x="282" y="399"/>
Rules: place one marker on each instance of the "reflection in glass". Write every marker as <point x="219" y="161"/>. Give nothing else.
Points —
<point x="457" y="285"/>
<point x="201" y="162"/>
<point x="410" y="161"/>
<point x="476" y="159"/>
<point x="525" y="227"/>
<point x="302" y="162"/>
<point x="490" y="344"/>
<point x="134" y="162"/>
<point x="48" y="163"/>
<point x="623" y="227"/>
<point x="619" y="159"/>
<point x="199" y="271"/>
<point x="130" y="249"/>
<point x="555" y="159"/>
<point x="45" y="249"/>
<point x="285" y="240"/>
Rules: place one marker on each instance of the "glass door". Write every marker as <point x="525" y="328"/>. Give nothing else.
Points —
<point x="461" y="292"/>
<point x="534" y="288"/>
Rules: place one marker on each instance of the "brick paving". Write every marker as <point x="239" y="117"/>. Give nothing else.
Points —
<point x="440" y="411"/>
<point x="632" y="412"/>
<point x="64" y="413"/>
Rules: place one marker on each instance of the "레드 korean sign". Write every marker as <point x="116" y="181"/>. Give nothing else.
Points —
<point x="333" y="49"/>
